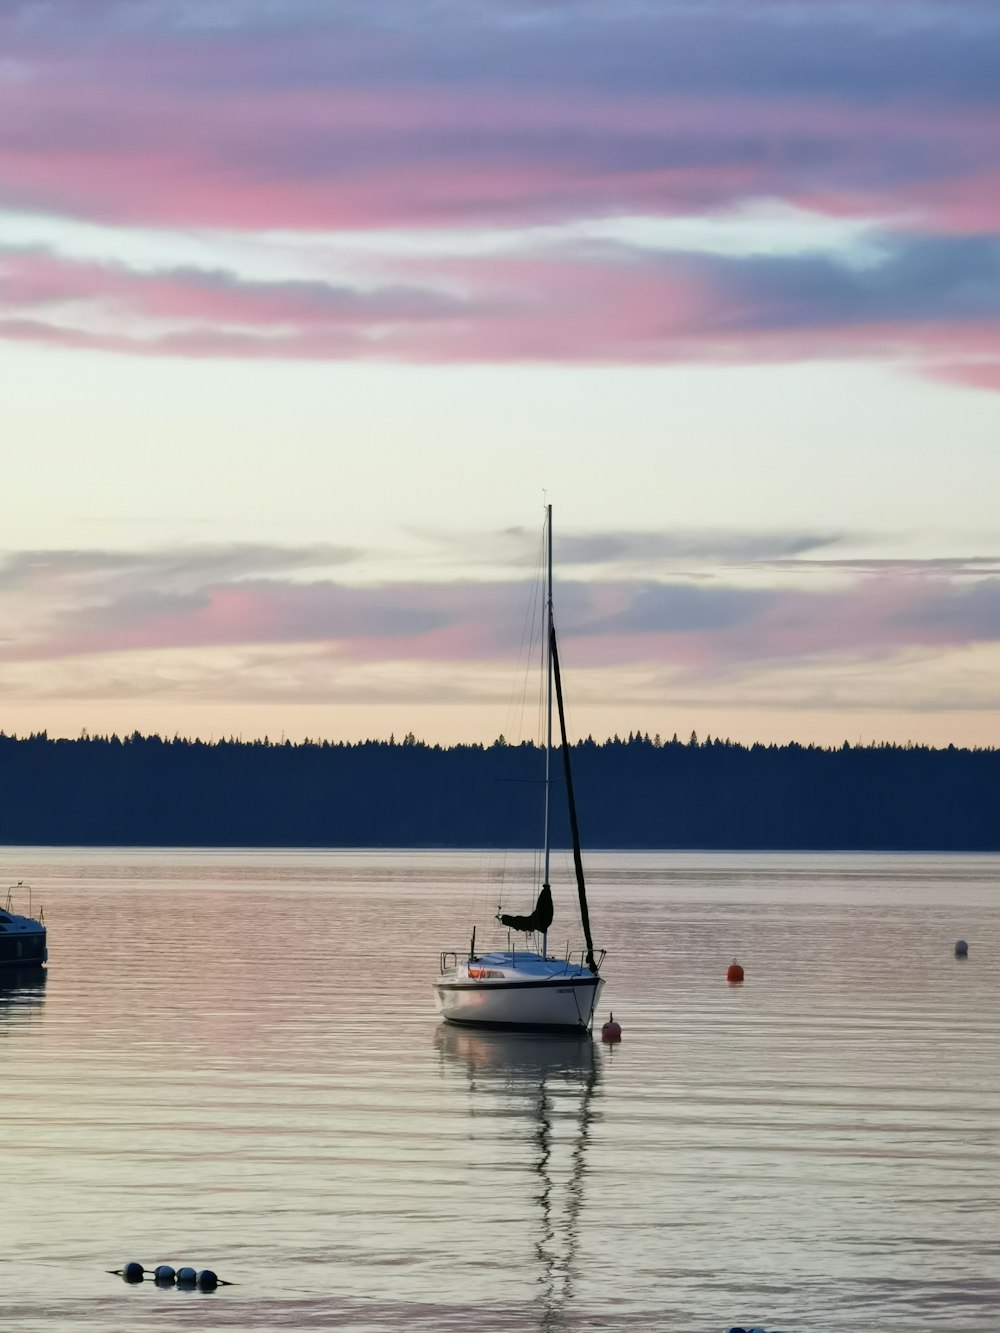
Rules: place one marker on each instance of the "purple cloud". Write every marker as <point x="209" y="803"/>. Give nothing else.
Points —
<point x="309" y="116"/>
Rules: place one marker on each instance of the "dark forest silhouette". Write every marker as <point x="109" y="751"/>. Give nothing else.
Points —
<point x="640" y="792"/>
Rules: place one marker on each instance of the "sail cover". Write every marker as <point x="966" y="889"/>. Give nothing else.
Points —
<point x="539" y="919"/>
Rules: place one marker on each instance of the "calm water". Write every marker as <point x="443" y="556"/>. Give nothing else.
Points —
<point x="234" y="1061"/>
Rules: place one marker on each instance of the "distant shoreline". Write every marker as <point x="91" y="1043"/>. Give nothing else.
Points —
<point x="634" y="794"/>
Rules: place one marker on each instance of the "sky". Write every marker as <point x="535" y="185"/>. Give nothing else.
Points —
<point x="308" y="306"/>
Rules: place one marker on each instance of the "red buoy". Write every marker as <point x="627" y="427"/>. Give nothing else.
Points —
<point x="734" y="973"/>
<point x="611" y="1031"/>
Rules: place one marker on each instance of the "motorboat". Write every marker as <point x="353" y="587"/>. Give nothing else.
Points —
<point x="23" y="940"/>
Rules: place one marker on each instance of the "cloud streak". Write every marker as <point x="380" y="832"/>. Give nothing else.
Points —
<point x="934" y="302"/>
<point x="632" y="551"/>
<point x="177" y="570"/>
<point x="81" y="605"/>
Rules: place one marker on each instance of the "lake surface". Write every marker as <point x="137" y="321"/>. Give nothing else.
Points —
<point x="234" y="1062"/>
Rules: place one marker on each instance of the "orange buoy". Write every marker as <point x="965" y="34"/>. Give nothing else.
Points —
<point x="611" y="1031"/>
<point x="734" y="973"/>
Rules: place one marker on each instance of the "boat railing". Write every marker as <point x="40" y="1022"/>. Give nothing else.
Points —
<point x="452" y="958"/>
<point x="20" y="889"/>
<point x="578" y="958"/>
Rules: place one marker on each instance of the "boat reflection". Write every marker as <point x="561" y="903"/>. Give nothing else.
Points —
<point x="22" y="991"/>
<point x="550" y="1082"/>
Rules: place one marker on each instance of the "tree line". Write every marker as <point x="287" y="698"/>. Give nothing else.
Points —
<point x="634" y="792"/>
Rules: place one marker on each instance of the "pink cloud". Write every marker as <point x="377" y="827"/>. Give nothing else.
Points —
<point x="305" y="119"/>
<point x="596" y="304"/>
<point x="85" y="608"/>
<point x="982" y="374"/>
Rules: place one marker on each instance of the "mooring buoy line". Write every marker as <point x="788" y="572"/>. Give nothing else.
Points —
<point x="165" y="1275"/>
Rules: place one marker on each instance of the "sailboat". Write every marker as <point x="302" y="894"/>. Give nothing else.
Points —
<point x="525" y="988"/>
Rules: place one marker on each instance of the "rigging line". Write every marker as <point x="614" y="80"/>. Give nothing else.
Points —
<point x="538" y="661"/>
<point x="482" y="905"/>
<point x="540" y="625"/>
<point x="526" y="651"/>
<point x="517" y="697"/>
<point x="540" y="875"/>
<point x="529" y="651"/>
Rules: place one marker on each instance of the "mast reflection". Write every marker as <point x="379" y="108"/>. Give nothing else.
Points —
<point x="550" y="1082"/>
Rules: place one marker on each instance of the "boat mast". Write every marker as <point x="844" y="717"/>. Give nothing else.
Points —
<point x="571" y="803"/>
<point x="548" y="704"/>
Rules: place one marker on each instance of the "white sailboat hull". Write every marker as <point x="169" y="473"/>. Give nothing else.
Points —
<point x="534" y="994"/>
